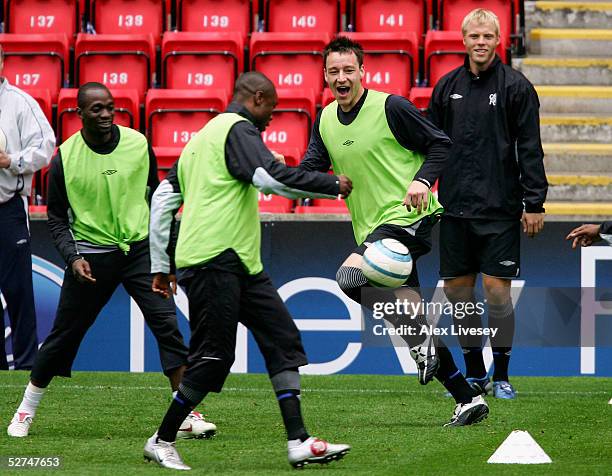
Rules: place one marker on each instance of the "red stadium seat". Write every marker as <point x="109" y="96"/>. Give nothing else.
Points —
<point x="322" y="205"/>
<point x="68" y="121"/>
<point x="215" y="15"/>
<point x="166" y="156"/>
<point x="41" y="181"/>
<point x="115" y="17"/>
<point x="452" y="12"/>
<point x="293" y="155"/>
<point x="390" y="60"/>
<point x="118" y="61"/>
<point x="274" y="203"/>
<point x="127" y="111"/>
<point x="338" y="203"/>
<point x="36" y="61"/>
<point x="292" y="120"/>
<point x="516" y="14"/>
<point x="302" y="16"/>
<point x="444" y="51"/>
<point x="201" y="60"/>
<point x="43" y="17"/>
<point x="175" y="115"/>
<point x="43" y="98"/>
<point x="37" y="210"/>
<point x="420" y="97"/>
<point x="395" y="16"/>
<point x="290" y="60"/>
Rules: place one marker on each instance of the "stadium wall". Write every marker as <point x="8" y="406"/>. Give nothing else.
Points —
<point x="561" y="300"/>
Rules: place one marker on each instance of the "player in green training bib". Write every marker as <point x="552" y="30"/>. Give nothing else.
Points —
<point x="218" y="263"/>
<point x="98" y="209"/>
<point x="393" y="156"/>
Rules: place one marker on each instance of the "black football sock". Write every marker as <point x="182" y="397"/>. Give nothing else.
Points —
<point x="180" y="407"/>
<point x="501" y="360"/>
<point x="474" y="362"/>
<point x="467" y="315"/>
<point x="449" y="375"/>
<point x="471" y="345"/>
<point x="289" y="403"/>
<point x="502" y="318"/>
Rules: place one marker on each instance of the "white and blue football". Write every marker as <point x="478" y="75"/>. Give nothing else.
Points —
<point x="387" y="263"/>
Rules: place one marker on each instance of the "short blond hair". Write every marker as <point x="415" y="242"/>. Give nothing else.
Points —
<point x="480" y="15"/>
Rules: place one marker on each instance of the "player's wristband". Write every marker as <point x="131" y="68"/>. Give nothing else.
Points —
<point x="535" y="210"/>
<point x="76" y="258"/>
<point x="423" y="181"/>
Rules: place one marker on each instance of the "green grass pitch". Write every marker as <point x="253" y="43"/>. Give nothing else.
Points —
<point x="98" y="424"/>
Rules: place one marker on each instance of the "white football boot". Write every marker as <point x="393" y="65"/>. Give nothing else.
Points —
<point x="469" y="413"/>
<point x="164" y="454"/>
<point x="427" y="360"/>
<point x="20" y="425"/>
<point x="195" y="426"/>
<point x="314" y="450"/>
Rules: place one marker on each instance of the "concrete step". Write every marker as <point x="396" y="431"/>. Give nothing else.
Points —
<point x="580" y="188"/>
<point x="577" y="158"/>
<point x="570" y="42"/>
<point x="560" y="14"/>
<point x="586" y="180"/>
<point x="575" y="99"/>
<point x="576" y="128"/>
<point x="589" y="212"/>
<point x="565" y="71"/>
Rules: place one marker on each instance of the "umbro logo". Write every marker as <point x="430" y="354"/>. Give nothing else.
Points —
<point x="348" y="142"/>
<point x="507" y="263"/>
<point x="109" y="172"/>
<point x="456" y="96"/>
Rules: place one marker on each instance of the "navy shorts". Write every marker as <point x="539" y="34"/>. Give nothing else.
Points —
<point x="469" y="246"/>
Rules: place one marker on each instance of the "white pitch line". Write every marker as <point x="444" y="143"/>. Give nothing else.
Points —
<point x="308" y="390"/>
<point x="225" y="389"/>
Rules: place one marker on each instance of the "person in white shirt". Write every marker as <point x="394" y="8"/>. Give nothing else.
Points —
<point x="26" y="145"/>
